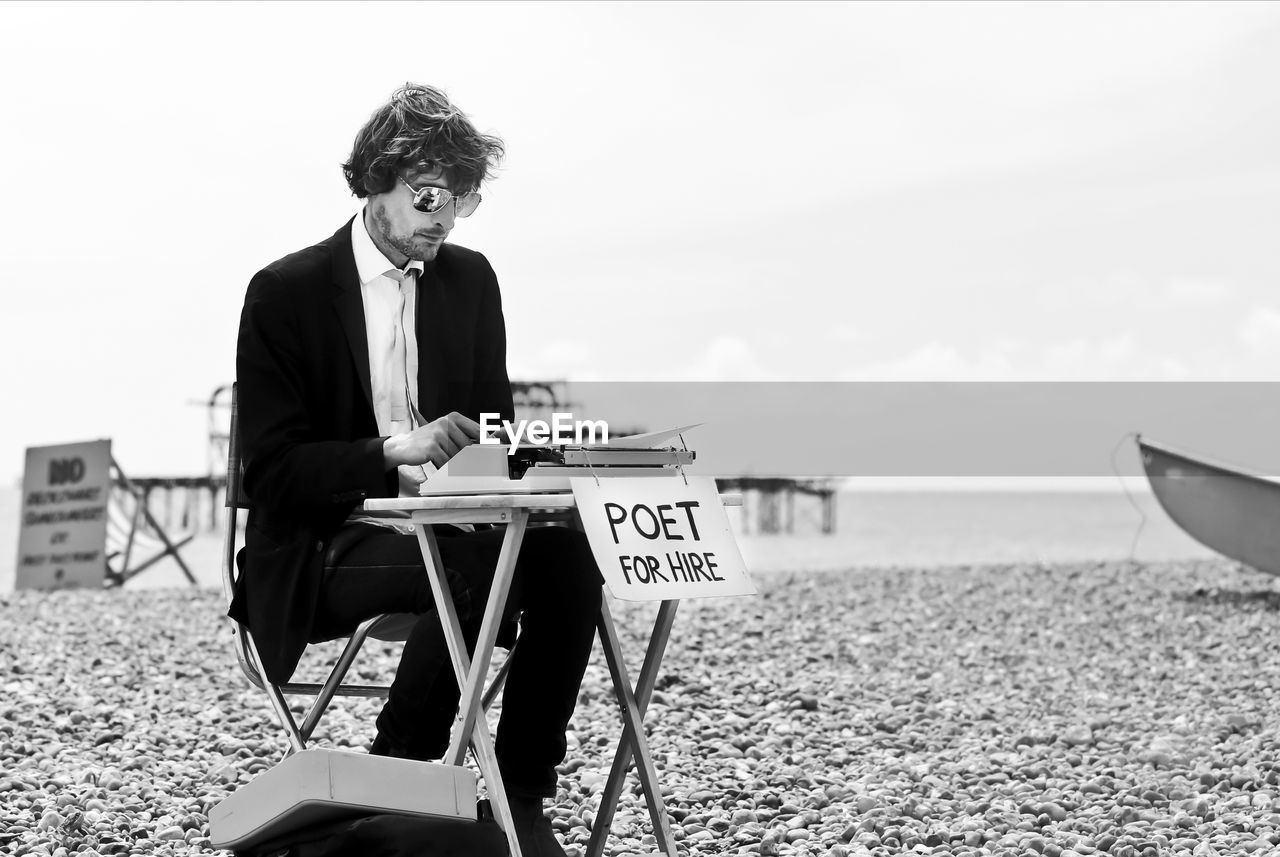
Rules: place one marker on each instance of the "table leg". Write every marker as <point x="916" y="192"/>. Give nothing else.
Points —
<point x="633" y="738"/>
<point x="470" y="675"/>
<point x="503" y="574"/>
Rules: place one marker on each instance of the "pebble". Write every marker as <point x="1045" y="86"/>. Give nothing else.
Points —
<point x="1064" y="711"/>
<point x="1076" y="736"/>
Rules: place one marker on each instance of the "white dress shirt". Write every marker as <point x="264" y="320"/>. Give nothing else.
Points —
<point x="390" y="314"/>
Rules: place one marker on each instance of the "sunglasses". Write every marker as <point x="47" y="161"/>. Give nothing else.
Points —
<point x="429" y="200"/>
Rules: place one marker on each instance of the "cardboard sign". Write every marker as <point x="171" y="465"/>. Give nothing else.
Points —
<point x="656" y="539"/>
<point x="63" y="530"/>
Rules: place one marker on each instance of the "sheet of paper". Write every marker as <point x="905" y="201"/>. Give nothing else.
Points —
<point x="648" y="440"/>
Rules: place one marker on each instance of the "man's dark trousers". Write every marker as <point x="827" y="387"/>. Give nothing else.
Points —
<point x="556" y="585"/>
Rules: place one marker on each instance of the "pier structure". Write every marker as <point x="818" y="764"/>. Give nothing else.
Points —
<point x="194" y="502"/>
<point x="183" y="503"/>
<point x="771" y="502"/>
<point x="219" y="422"/>
<point x="187" y="503"/>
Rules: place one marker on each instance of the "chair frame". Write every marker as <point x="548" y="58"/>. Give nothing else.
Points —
<point x="247" y="657"/>
<point x="137" y="523"/>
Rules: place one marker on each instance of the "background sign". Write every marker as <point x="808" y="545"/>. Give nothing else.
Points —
<point x="63" y="530"/>
<point x="656" y="539"/>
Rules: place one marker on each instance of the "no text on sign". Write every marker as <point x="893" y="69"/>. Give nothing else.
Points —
<point x="660" y="539"/>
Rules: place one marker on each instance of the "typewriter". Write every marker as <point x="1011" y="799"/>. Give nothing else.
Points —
<point x="497" y="468"/>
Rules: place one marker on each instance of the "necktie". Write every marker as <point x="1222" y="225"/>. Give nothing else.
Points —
<point x="403" y="374"/>
<point x="402" y="379"/>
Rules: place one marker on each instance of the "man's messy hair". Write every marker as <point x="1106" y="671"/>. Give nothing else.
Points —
<point x="416" y="130"/>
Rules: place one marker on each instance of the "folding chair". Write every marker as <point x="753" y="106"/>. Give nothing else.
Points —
<point x="391" y="627"/>
<point x="133" y="532"/>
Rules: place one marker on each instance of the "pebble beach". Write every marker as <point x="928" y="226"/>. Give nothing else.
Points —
<point x="1074" y="709"/>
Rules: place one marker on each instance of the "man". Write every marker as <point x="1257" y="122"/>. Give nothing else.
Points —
<point x="363" y="362"/>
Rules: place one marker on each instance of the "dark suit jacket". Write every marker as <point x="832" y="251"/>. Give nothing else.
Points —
<point x="310" y="441"/>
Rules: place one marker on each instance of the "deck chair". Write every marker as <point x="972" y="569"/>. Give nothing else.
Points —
<point x="135" y="540"/>
<point x="392" y="627"/>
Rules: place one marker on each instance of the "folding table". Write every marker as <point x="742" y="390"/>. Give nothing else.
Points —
<point x="515" y="511"/>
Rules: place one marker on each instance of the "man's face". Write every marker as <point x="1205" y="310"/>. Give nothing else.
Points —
<point x="397" y="225"/>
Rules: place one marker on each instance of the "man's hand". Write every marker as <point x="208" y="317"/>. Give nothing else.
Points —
<point x="437" y="441"/>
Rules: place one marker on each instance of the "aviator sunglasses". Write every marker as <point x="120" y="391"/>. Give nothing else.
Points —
<point x="429" y="200"/>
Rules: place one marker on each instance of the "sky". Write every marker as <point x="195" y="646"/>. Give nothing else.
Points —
<point x="693" y="192"/>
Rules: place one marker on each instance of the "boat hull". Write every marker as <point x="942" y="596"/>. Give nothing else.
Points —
<point x="1234" y="512"/>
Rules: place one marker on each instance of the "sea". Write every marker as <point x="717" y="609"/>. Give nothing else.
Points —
<point x="950" y="528"/>
<point x="873" y="528"/>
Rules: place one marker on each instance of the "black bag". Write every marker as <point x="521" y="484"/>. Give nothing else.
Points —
<point x="389" y="835"/>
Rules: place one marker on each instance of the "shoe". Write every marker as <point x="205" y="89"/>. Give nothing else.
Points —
<point x="533" y="829"/>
